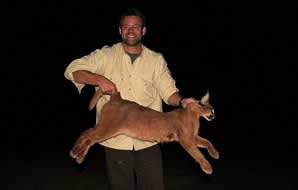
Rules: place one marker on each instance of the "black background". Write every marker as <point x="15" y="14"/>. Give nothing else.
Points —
<point x="243" y="52"/>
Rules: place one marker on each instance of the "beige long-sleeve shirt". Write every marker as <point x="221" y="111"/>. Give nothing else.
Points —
<point x="147" y="81"/>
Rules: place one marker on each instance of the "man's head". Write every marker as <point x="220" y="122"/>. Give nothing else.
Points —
<point x="132" y="27"/>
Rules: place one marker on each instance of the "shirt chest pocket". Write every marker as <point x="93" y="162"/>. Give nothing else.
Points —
<point x="144" y="90"/>
<point x="116" y="76"/>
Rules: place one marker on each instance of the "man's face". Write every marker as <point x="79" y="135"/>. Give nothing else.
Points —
<point x="131" y="30"/>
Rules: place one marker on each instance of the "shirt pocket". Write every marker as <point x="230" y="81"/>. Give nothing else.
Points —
<point x="116" y="77"/>
<point x="144" y="90"/>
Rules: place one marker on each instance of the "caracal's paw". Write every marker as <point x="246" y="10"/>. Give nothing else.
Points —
<point x="214" y="153"/>
<point x="206" y="167"/>
<point x="80" y="149"/>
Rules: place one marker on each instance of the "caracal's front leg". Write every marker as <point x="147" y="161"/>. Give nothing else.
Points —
<point x="204" y="143"/>
<point x="191" y="148"/>
<point x="82" y="145"/>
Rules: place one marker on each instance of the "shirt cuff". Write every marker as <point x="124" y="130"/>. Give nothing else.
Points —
<point x="169" y="92"/>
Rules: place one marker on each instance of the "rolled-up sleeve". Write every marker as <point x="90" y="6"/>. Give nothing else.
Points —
<point x="92" y="62"/>
<point x="163" y="80"/>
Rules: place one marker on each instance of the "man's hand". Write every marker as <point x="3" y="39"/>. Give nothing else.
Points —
<point x="106" y="86"/>
<point x="186" y="101"/>
<point x="176" y="100"/>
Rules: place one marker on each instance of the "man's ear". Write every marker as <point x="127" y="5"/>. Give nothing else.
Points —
<point x="120" y="31"/>
<point x="144" y="30"/>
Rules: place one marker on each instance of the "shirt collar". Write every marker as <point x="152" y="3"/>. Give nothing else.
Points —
<point x="121" y="49"/>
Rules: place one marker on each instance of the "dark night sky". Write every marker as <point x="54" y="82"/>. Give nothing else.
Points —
<point x="244" y="53"/>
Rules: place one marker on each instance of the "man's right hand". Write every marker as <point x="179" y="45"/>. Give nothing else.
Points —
<point x="106" y="85"/>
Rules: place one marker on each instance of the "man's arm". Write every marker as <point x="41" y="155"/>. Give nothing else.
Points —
<point x="87" y="77"/>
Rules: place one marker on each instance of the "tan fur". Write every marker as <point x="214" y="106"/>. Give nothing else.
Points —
<point x="120" y="116"/>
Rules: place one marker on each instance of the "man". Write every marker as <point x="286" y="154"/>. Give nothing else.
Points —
<point x="141" y="75"/>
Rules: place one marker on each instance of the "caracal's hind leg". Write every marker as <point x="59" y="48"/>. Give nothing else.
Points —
<point x="204" y="143"/>
<point x="88" y="138"/>
<point x="191" y="148"/>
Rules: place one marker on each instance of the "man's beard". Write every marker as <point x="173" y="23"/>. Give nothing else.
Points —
<point x="132" y="43"/>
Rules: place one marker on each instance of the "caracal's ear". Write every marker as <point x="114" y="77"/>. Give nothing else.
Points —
<point x="205" y="98"/>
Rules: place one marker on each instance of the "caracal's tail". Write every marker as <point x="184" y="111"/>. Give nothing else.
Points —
<point x="98" y="94"/>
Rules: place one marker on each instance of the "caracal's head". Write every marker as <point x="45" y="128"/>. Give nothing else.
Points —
<point x="203" y="108"/>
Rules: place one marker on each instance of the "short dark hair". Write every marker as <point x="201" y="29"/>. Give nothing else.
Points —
<point x="133" y="12"/>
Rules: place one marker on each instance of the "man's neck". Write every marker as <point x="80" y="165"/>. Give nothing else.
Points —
<point x="132" y="49"/>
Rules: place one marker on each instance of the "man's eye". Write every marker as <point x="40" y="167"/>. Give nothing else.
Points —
<point x="134" y="27"/>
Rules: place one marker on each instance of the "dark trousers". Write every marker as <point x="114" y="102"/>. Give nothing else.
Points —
<point x="135" y="170"/>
